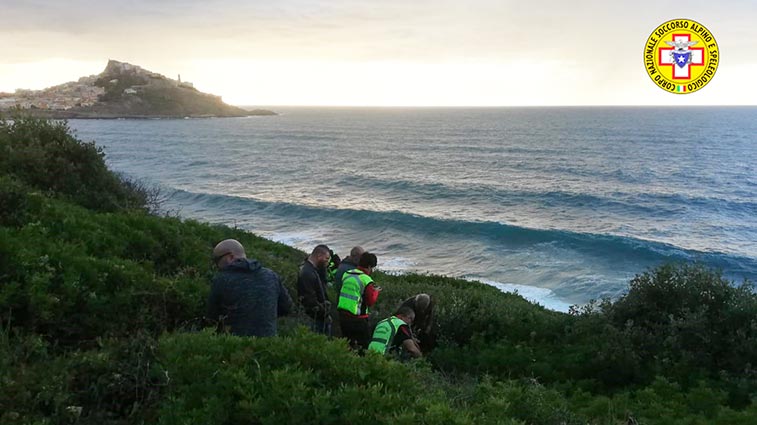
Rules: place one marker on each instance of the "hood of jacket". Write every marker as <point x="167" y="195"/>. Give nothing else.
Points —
<point x="244" y="264"/>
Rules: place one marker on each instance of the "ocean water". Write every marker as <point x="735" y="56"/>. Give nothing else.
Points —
<point x="563" y="205"/>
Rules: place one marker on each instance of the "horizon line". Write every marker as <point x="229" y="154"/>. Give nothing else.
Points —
<point x="242" y="105"/>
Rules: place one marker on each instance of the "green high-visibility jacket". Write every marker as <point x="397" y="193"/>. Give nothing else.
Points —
<point x="383" y="336"/>
<point x="351" y="297"/>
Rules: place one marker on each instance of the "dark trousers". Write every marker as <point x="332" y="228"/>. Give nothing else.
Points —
<point x="355" y="329"/>
<point x="321" y="326"/>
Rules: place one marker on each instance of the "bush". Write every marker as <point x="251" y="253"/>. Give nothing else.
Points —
<point x="13" y="203"/>
<point x="302" y="378"/>
<point x="107" y="384"/>
<point x="74" y="275"/>
<point x="686" y="320"/>
<point x="45" y="155"/>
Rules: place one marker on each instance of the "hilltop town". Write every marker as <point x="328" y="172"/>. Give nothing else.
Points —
<point x="123" y="90"/>
<point x="74" y="94"/>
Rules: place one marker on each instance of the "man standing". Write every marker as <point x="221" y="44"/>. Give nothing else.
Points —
<point x="245" y="297"/>
<point x="311" y="289"/>
<point x="347" y="264"/>
<point x="394" y="337"/>
<point x="358" y="294"/>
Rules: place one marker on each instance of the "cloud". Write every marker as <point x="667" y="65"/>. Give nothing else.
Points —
<point x="389" y="30"/>
<point x="345" y="30"/>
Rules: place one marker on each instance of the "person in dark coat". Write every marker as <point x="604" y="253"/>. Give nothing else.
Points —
<point x="312" y="289"/>
<point x="423" y="325"/>
<point x="245" y="297"/>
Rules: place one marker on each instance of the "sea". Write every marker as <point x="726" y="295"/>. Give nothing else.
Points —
<point x="562" y="205"/>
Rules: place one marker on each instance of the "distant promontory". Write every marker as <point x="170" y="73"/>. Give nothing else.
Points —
<point x="123" y="90"/>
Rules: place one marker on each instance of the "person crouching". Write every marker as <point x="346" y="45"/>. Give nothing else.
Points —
<point x="393" y="336"/>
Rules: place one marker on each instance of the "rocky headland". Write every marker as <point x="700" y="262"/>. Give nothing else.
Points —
<point x="123" y="90"/>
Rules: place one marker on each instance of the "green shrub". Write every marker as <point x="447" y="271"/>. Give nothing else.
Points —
<point x="109" y="383"/>
<point x="302" y="378"/>
<point x="13" y="203"/>
<point x="74" y="275"/>
<point x="46" y="155"/>
<point x="686" y="320"/>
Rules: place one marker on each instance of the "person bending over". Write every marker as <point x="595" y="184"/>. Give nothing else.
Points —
<point x="393" y="336"/>
<point x="423" y="325"/>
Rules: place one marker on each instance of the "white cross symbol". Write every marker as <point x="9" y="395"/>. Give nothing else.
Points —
<point x="681" y="73"/>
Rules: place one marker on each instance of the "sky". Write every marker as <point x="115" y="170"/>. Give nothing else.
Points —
<point x="383" y="53"/>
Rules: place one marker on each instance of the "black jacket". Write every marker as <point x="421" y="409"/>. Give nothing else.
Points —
<point x="247" y="298"/>
<point x="311" y="289"/>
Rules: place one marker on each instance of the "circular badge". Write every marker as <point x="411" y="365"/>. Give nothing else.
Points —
<point x="681" y="56"/>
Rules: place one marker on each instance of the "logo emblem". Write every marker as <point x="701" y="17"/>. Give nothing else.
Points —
<point x="681" y="56"/>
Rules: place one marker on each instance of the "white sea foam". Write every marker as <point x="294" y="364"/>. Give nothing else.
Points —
<point x="542" y="296"/>
<point x="397" y="265"/>
<point x="297" y="240"/>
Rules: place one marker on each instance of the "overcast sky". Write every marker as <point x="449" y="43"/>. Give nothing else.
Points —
<point x="285" y="52"/>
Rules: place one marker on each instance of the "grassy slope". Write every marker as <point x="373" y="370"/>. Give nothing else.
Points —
<point x="101" y="310"/>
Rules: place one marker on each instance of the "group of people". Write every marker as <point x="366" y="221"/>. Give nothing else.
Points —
<point x="247" y="298"/>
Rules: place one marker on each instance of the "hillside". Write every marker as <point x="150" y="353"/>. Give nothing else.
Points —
<point x="102" y="302"/>
<point x="124" y="90"/>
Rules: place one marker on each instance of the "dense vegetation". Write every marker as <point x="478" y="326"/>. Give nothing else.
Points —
<point x="101" y="314"/>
